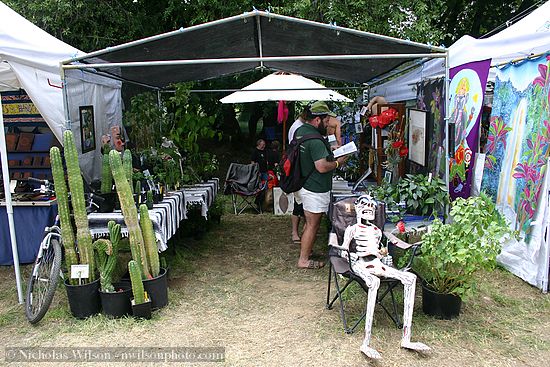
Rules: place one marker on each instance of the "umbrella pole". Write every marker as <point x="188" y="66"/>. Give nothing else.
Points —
<point x="284" y="135"/>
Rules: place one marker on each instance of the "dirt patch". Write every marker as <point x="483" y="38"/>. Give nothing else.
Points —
<point x="244" y="293"/>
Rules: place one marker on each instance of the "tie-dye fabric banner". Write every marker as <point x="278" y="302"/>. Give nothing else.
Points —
<point x="517" y="155"/>
<point x="466" y="92"/>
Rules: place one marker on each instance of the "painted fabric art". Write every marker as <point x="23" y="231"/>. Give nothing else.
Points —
<point x="516" y="163"/>
<point x="466" y="92"/>
<point x="431" y="98"/>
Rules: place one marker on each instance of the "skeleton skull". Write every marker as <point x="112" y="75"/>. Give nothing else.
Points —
<point x="365" y="208"/>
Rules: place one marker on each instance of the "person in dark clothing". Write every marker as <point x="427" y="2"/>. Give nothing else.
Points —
<point x="259" y="155"/>
<point x="273" y="155"/>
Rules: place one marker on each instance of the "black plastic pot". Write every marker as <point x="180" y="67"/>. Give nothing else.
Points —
<point x="83" y="299"/>
<point x="108" y="204"/>
<point x="157" y="289"/>
<point x="440" y="305"/>
<point x="117" y="304"/>
<point x="143" y="310"/>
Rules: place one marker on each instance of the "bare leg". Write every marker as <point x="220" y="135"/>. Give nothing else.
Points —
<point x="295" y="227"/>
<point x="313" y="220"/>
<point x="373" y="283"/>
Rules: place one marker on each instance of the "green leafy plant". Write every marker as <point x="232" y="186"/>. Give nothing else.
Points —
<point x="421" y="195"/>
<point x="453" y="252"/>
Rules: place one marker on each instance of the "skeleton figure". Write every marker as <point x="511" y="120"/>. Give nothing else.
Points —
<point x="362" y="240"/>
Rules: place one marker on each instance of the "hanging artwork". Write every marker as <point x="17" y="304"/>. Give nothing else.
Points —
<point x="516" y="163"/>
<point x="431" y="98"/>
<point x="417" y="136"/>
<point x="466" y="96"/>
<point x="87" y="128"/>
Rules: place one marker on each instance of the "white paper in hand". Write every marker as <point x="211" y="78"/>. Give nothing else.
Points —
<point x="345" y="149"/>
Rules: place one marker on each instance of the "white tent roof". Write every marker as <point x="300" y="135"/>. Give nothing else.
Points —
<point x="29" y="59"/>
<point x="286" y="87"/>
<point x="529" y="36"/>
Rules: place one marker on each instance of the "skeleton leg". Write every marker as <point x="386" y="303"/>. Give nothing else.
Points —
<point x="373" y="283"/>
<point x="409" y="285"/>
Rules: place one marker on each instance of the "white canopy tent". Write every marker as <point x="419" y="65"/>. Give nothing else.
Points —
<point x="529" y="36"/>
<point x="29" y="60"/>
<point x="285" y="87"/>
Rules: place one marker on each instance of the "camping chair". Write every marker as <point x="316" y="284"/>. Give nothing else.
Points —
<point x="244" y="183"/>
<point x="343" y="215"/>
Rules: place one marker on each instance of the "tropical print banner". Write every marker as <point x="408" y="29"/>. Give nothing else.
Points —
<point x="466" y="93"/>
<point x="517" y="145"/>
<point x="430" y="97"/>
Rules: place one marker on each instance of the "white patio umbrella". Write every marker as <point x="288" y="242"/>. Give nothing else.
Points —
<point x="284" y="87"/>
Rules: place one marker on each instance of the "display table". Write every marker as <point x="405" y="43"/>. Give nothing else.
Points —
<point x="30" y="218"/>
<point x="202" y="194"/>
<point x="166" y="217"/>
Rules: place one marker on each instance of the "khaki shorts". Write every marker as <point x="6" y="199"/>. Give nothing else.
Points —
<point x="315" y="202"/>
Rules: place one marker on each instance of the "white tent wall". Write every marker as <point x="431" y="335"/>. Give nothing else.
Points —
<point x="104" y="94"/>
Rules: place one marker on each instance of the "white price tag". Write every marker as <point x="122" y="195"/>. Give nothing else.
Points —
<point x="80" y="271"/>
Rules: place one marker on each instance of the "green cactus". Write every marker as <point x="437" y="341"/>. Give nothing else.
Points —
<point x="149" y="200"/>
<point x="63" y="209"/>
<point x="106" y="176"/>
<point x="137" y="282"/>
<point x="128" y="169"/>
<point x="151" y="248"/>
<point x="107" y="253"/>
<point x="83" y="235"/>
<point x="129" y="211"/>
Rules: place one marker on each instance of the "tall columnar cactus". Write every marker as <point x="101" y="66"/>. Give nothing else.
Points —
<point x="107" y="253"/>
<point x="62" y="197"/>
<point x="128" y="169"/>
<point x="106" y="176"/>
<point x="137" y="282"/>
<point x="150" y="240"/>
<point x="83" y="235"/>
<point x="129" y="211"/>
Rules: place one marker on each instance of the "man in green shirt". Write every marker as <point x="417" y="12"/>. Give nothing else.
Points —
<point x="318" y="164"/>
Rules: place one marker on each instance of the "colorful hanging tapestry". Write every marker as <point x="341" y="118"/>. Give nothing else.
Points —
<point x="466" y="93"/>
<point x="430" y="97"/>
<point x="517" y="154"/>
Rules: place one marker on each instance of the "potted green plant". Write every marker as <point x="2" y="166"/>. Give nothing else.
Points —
<point x="453" y="252"/>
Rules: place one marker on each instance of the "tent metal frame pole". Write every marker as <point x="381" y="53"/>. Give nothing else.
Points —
<point x="68" y="124"/>
<point x="260" y="46"/>
<point x="157" y="37"/>
<point x="252" y="59"/>
<point x="244" y="17"/>
<point x="447" y="118"/>
<point x="9" y="206"/>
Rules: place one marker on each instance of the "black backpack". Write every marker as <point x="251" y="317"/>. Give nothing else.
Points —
<point x="291" y="179"/>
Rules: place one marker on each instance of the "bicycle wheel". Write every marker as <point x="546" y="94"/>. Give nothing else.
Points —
<point x="43" y="282"/>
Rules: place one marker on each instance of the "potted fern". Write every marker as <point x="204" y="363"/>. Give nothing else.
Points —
<point x="453" y="252"/>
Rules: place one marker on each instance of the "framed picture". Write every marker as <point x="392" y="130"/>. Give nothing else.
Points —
<point x="87" y="128"/>
<point x="358" y="128"/>
<point x="388" y="175"/>
<point x="417" y="136"/>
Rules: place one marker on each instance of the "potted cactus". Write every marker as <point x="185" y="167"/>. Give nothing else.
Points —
<point x="115" y="298"/>
<point x="143" y="244"/>
<point x="83" y="293"/>
<point x="141" y="304"/>
<point x="108" y="204"/>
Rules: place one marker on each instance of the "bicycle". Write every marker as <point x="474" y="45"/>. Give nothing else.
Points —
<point x="46" y="270"/>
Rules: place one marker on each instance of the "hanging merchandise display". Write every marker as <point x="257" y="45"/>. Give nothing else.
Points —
<point x="466" y="96"/>
<point x="517" y="154"/>
<point x="430" y="97"/>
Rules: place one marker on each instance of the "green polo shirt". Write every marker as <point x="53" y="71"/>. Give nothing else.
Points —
<point x="310" y="151"/>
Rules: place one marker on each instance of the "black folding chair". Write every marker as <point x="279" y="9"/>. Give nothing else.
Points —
<point x="244" y="183"/>
<point x="343" y="215"/>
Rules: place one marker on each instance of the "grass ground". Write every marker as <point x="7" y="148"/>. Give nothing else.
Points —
<point x="237" y="287"/>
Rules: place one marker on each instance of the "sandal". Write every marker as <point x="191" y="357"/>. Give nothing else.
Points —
<point x="312" y="264"/>
<point x="296" y="242"/>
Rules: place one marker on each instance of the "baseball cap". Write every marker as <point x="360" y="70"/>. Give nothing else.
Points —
<point x="321" y="108"/>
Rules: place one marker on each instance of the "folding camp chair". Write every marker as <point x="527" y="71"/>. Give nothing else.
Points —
<point x="343" y="215"/>
<point x="244" y="183"/>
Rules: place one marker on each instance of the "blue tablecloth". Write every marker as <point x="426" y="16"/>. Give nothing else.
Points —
<point x="30" y="222"/>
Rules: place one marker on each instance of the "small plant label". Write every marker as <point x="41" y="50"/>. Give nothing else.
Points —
<point x="80" y="271"/>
